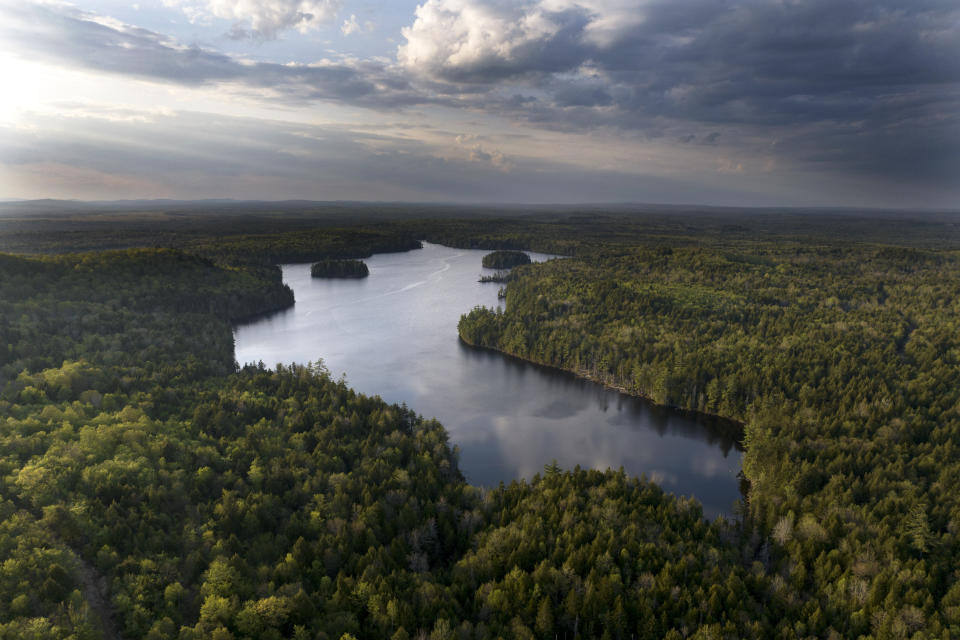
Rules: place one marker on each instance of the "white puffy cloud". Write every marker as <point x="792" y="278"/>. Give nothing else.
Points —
<point x="611" y="22"/>
<point x="263" y="18"/>
<point x="476" y="152"/>
<point x="485" y="40"/>
<point x="350" y="25"/>
<point x="476" y="40"/>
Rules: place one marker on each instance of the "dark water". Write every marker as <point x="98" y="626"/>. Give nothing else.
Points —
<point x="394" y="334"/>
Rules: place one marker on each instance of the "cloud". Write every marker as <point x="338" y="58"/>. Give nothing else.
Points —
<point x="262" y="18"/>
<point x="709" y="140"/>
<point x="196" y="154"/>
<point x="836" y="81"/>
<point x="350" y="25"/>
<point x="66" y="36"/>
<point x="161" y="153"/>
<point x="844" y="89"/>
<point x="476" y="152"/>
<point x="475" y="41"/>
<point x="740" y="61"/>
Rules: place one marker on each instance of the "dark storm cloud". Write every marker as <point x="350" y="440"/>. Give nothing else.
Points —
<point x="582" y="95"/>
<point x="872" y="86"/>
<point x="779" y="62"/>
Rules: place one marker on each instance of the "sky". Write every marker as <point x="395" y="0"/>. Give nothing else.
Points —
<point x="723" y="102"/>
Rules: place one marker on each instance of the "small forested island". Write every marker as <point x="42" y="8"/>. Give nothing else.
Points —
<point x="505" y="259"/>
<point x="339" y="269"/>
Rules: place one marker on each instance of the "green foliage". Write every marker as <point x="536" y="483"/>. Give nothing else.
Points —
<point x="589" y="553"/>
<point x="149" y="311"/>
<point x="505" y="259"/>
<point x="840" y="360"/>
<point x="499" y="276"/>
<point x="214" y="503"/>
<point x="918" y="528"/>
<point x="39" y="582"/>
<point x="279" y="504"/>
<point x="268" y="501"/>
<point x="339" y="269"/>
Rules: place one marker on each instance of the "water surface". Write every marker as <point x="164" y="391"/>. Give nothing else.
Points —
<point x="394" y="334"/>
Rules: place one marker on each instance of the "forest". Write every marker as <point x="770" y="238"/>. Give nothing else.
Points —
<point x="503" y="259"/>
<point x="838" y="360"/>
<point x="151" y="488"/>
<point x="339" y="269"/>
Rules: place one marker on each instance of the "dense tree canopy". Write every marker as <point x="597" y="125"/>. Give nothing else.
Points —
<point x="149" y="488"/>
<point x="339" y="269"/>
<point x="839" y="359"/>
<point x="146" y="491"/>
<point x="505" y="259"/>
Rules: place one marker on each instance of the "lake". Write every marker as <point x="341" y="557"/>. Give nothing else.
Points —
<point x="394" y="334"/>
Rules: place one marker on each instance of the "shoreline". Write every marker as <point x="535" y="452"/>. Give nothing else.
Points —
<point x="585" y="375"/>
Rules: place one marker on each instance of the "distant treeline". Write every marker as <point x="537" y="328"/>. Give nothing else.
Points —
<point x="339" y="269"/>
<point x="308" y="246"/>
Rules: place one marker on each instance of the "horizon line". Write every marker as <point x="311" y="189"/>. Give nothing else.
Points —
<point x="5" y="202"/>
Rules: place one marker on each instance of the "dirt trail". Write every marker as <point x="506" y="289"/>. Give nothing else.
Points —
<point x="95" y="592"/>
<point x="92" y="583"/>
